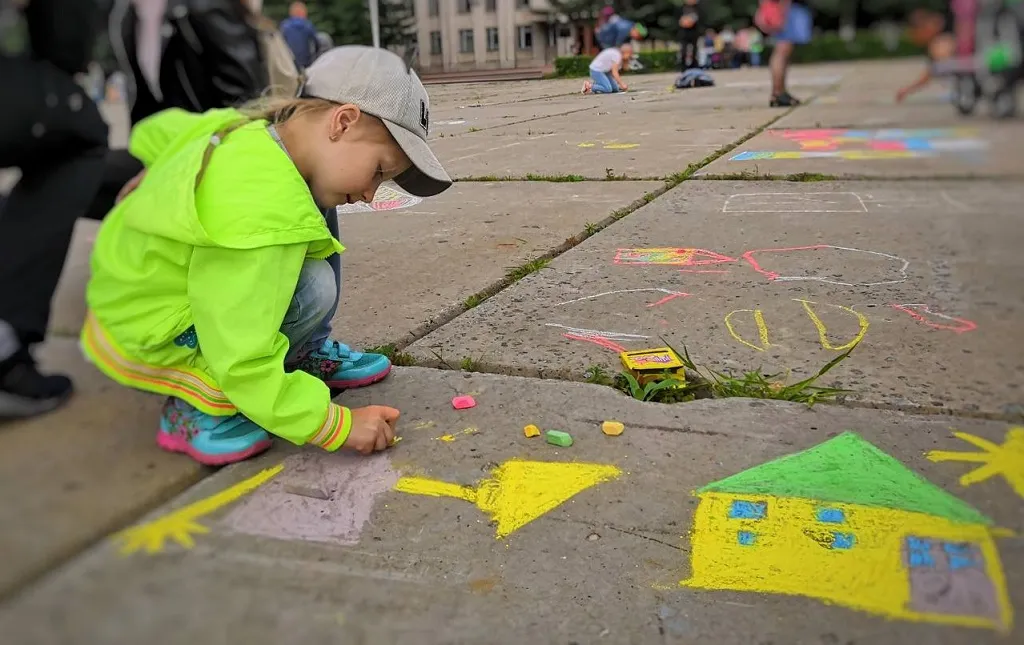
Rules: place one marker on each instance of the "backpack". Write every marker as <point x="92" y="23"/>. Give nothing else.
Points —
<point x="770" y="18"/>
<point x="282" y="73"/>
<point x="694" y="78"/>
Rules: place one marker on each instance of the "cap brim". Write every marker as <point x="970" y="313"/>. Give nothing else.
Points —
<point x="426" y="177"/>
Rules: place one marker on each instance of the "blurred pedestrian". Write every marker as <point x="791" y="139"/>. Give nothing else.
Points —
<point x="690" y="25"/>
<point x="791" y="24"/>
<point x="301" y="35"/>
<point x="53" y="132"/>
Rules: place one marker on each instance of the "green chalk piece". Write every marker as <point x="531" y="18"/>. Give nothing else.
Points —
<point x="558" y="438"/>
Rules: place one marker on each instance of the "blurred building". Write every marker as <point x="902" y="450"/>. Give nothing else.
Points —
<point x="468" y="35"/>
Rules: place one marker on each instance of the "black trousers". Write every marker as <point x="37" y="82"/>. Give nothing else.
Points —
<point x="52" y="132"/>
<point x="688" y="52"/>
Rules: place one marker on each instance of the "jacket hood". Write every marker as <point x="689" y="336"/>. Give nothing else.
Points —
<point x="248" y="194"/>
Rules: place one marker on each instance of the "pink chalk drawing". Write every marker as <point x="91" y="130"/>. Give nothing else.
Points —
<point x="898" y="264"/>
<point x="670" y="256"/>
<point x="600" y="341"/>
<point x="318" y="497"/>
<point x="918" y="312"/>
<point x="670" y="296"/>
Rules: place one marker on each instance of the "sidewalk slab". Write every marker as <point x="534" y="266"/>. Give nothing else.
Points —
<point x="70" y="477"/>
<point x="925" y="273"/>
<point x="373" y="564"/>
<point x="977" y="149"/>
<point x="408" y="265"/>
<point x="452" y="121"/>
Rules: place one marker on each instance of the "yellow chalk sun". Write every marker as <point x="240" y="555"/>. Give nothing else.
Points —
<point x="1006" y="459"/>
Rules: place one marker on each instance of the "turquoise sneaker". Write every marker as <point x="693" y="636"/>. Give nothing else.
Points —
<point x="210" y="440"/>
<point x="339" y="367"/>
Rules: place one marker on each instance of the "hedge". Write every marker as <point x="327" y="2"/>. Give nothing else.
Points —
<point x="825" y="48"/>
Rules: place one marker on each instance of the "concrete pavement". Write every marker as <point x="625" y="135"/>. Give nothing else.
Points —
<point x="681" y="530"/>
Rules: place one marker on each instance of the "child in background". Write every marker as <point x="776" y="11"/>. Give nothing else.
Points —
<point x="927" y="29"/>
<point x="688" y="17"/>
<point x="209" y="278"/>
<point x="604" y="71"/>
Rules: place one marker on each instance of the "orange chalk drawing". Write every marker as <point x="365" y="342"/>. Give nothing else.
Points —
<point x="670" y="256"/>
<point x="956" y="325"/>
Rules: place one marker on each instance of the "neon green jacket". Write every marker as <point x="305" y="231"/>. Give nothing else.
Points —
<point x="225" y="258"/>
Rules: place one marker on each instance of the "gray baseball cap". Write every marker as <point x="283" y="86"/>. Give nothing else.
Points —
<point x="381" y="84"/>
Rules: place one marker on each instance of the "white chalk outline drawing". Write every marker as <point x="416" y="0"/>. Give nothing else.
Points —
<point x="387" y="198"/>
<point x="775" y="277"/>
<point x="667" y="292"/>
<point x="597" y="333"/>
<point x="797" y="197"/>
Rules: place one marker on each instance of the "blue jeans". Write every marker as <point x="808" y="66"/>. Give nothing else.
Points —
<point x="308" y="321"/>
<point x="603" y="83"/>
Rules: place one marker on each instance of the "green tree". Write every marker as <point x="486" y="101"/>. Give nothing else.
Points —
<point x="348" y="21"/>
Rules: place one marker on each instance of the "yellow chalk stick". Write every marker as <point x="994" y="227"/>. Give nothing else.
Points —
<point x="531" y="431"/>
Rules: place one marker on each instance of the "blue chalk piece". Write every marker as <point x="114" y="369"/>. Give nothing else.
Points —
<point x="746" y="538"/>
<point x="842" y="540"/>
<point x="831" y="515"/>
<point x="744" y="510"/>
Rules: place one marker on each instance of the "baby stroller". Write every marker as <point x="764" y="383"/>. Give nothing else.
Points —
<point x="989" y="62"/>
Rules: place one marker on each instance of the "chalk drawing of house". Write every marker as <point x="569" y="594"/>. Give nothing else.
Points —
<point x="845" y="523"/>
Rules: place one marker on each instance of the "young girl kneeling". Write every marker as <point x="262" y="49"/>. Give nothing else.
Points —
<point x="210" y="281"/>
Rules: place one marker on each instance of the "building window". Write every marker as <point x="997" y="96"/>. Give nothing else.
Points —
<point x="434" y="7"/>
<point x="746" y="538"/>
<point x="492" y="39"/>
<point x="522" y="4"/>
<point x="466" y="41"/>
<point x="831" y="515"/>
<point x="525" y="34"/>
<point x="492" y="6"/>
<point x="435" y="43"/>
<point x="465" y="6"/>
<point x="744" y="510"/>
<point x="842" y="540"/>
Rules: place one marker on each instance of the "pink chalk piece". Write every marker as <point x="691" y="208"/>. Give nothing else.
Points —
<point x="463" y="402"/>
<point x="292" y="506"/>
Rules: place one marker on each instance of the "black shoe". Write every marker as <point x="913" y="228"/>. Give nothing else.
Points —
<point x="24" y="392"/>
<point x="784" y="100"/>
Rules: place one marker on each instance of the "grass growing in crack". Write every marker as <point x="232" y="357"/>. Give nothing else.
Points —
<point x="396" y="357"/>
<point x="590" y="228"/>
<point x="757" y="385"/>
<point x="520" y="272"/>
<point x="472" y="301"/>
<point x="555" y="178"/>
<point x="810" y="177"/>
<point x="469" y="364"/>
<point x="703" y="382"/>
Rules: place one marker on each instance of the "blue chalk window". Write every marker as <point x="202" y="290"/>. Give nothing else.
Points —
<point x="744" y="510"/>
<point x="919" y="553"/>
<point x="746" y="538"/>
<point x="831" y="515"/>
<point x="961" y="556"/>
<point x="843" y="540"/>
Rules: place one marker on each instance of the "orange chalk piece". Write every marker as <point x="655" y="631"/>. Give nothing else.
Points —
<point x="463" y="402"/>
<point x="612" y="428"/>
<point x="531" y="431"/>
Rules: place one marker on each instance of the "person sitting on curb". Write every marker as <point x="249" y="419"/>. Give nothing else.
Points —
<point x="605" y="70"/>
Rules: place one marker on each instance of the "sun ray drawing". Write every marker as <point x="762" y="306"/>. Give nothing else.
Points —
<point x="1006" y="459"/>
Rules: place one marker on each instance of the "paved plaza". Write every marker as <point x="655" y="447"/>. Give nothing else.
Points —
<point x="581" y="227"/>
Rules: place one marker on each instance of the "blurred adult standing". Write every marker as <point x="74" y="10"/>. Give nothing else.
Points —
<point x="300" y="34"/>
<point x="791" y="23"/>
<point x="53" y="132"/>
<point x="688" y="17"/>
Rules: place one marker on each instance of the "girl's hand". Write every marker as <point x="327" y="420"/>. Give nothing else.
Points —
<point x="373" y="429"/>
<point x="132" y="184"/>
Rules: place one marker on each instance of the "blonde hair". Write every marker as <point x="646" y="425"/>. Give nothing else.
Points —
<point x="278" y="109"/>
